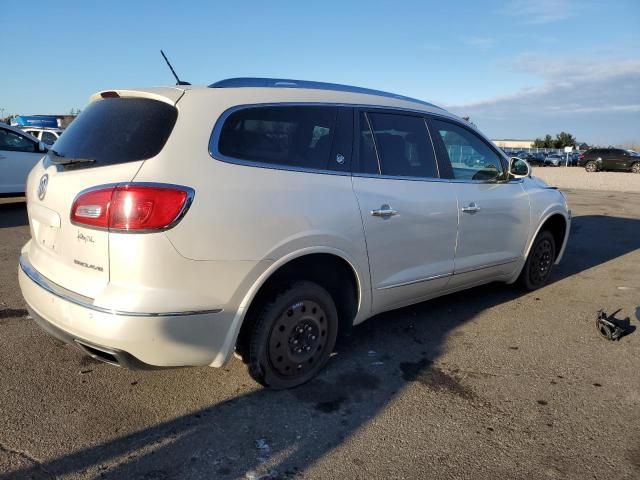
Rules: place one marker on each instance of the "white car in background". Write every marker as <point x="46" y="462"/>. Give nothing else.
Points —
<point x="19" y="152"/>
<point x="48" y="136"/>
<point x="175" y="226"/>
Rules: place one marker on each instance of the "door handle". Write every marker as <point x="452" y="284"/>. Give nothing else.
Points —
<point x="473" y="207"/>
<point x="385" y="211"/>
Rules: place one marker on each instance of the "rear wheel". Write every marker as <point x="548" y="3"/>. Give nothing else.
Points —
<point x="293" y="337"/>
<point x="635" y="168"/>
<point x="591" y="167"/>
<point x="537" y="268"/>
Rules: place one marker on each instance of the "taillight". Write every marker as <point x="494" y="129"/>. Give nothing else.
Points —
<point x="131" y="207"/>
<point x="581" y="156"/>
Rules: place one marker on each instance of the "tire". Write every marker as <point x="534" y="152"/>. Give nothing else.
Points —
<point x="539" y="264"/>
<point x="635" y="168"/>
<point x="293" y="337"/>
<point x="591" y="166"/>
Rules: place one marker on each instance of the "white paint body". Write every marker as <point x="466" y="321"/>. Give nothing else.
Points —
<point x="15" y="165"/>
<point x="246" y="222"/>
<point x="48" y="136"/>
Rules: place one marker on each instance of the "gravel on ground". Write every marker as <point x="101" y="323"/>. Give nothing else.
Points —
<point x="579" y="178"/>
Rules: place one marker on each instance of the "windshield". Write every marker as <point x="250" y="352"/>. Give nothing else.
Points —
<point x="118" y="130"/>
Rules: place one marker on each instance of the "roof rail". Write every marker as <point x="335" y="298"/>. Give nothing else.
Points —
<point x="244" y="82"/>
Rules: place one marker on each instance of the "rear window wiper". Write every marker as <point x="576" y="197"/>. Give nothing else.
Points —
<point x="73" y="161"/>
<point x="70" y="161"/>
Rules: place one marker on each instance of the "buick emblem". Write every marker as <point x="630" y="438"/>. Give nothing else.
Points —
<point x="42" y="188"/>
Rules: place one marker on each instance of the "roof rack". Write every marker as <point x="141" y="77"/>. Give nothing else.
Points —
<point x="245" y="82"/>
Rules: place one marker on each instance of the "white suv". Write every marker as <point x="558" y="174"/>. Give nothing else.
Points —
<point x="176" y="226"/>
<point x="48" y="136"/>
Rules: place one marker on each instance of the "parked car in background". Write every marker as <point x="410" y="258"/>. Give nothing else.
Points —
<point x="19" y="152"/>
<point x="573" y="159"/>
<point x="597" y="159"/>
<point x="174" y="226"/>
<point x="555" y="160"/>
<point x="46" y="135"/>
<point x="536" y="158"/>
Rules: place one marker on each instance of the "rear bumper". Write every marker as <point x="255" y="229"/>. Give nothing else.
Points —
<point x="130" y="339"/>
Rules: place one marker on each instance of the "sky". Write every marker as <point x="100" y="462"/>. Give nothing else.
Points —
<point x="519" y="68"/>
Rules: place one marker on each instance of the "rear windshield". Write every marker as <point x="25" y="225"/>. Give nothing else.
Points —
<point x="118" y="130"/>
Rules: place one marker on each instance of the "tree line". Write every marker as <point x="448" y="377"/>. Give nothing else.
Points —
<point x="563" y="139"/>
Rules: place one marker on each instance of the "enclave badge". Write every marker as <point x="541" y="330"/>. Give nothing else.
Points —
<point x="42" y="188"/>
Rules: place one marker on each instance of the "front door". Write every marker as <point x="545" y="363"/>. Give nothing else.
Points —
<point x="494" y="214"/>
<point x="409" y="215"/>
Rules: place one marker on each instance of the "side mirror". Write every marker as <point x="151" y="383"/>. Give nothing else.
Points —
<point x="519" y="168"/>
<point x="42" y="147"/>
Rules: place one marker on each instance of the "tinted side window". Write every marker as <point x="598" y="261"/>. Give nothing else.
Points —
<point x="403" y="145"/>
<point x="294" y="136"/>
<point x="14" y="142"/>
<point x="471" y="158"/>
<point x="48" y="137"/>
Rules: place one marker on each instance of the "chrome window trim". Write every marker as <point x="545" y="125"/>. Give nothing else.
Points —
<point x="215" y="154"/>
<point x="393" y="177"/>
<point x="86" y="302"/>
<point x="191" y="193"/>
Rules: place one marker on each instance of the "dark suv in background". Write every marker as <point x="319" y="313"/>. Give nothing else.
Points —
<point x="609" y="159"/>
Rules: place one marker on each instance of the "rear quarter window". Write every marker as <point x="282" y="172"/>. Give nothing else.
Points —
<point x="291" y="136"/>
<point x="118" y="130"/>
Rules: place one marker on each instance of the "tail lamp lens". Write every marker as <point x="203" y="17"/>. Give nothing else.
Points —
<point x="130" y="207"/>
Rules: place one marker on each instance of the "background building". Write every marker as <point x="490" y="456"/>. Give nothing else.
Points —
<point x="508" y="143"/>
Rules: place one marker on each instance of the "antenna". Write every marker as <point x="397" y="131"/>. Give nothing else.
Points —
<point x="178" y="81"/>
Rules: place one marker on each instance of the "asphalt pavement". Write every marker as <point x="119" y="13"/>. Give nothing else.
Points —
<point x="489" y="383"/>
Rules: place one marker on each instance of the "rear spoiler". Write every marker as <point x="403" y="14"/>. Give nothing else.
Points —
<point x="169" y="95"/>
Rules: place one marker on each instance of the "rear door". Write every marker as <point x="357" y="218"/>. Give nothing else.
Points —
<point x="18" y="155"/>
<point x="106" y="144"/>
<point x="409" y="215"/>
<point x="609" y="159"/>
<point x="494" y="214"/>
<point x="622" y="159"/>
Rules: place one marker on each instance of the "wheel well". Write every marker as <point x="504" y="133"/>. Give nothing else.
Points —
<point x="557" y="225"/>
<point x="329" y="271"/>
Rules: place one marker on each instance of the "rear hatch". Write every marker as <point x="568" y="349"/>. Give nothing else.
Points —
<point x="105" y="145"/>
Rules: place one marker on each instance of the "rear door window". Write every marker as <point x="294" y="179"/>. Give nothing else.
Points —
<point x="118" y="130"/>
<point x="401" y="143"/>
<point x="291" y="136"/>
